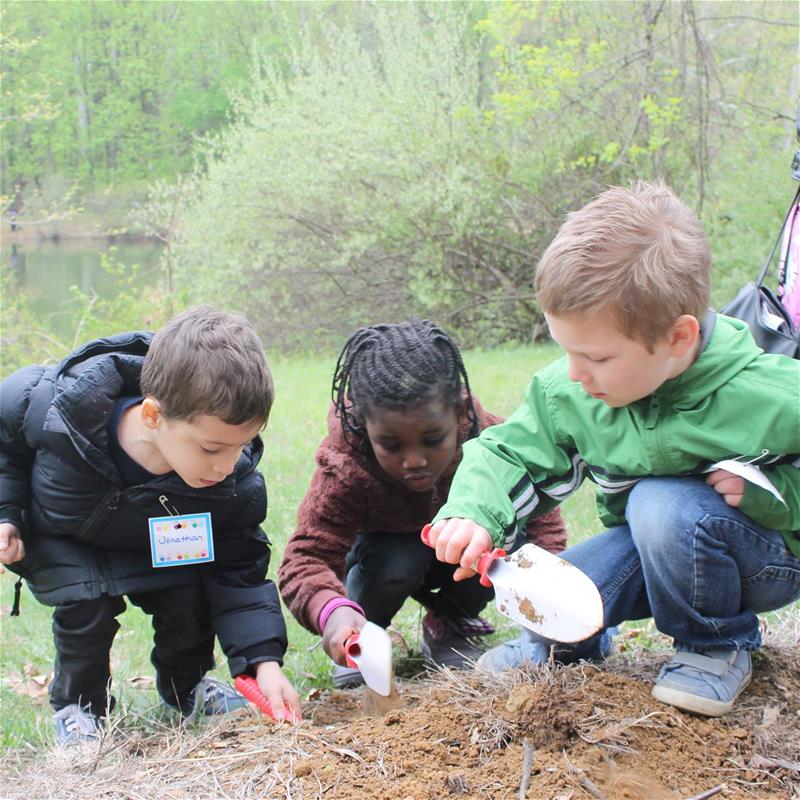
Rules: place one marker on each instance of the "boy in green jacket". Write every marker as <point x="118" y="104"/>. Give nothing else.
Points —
<point x="652" y="393"/>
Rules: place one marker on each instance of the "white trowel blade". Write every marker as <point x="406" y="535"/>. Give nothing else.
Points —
<point x="375" y="658"/>
<point x="546" y="594"/>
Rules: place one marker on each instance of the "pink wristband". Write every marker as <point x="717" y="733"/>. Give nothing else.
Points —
<point x="332" y="605"/>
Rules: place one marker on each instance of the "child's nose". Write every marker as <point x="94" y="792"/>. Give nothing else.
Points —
<point x="574" y="370"/>
<point x="226" y="466"/>
<point x="414" y="460"/>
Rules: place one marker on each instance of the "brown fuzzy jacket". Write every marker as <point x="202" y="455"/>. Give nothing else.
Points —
<point x="350" y="494"/>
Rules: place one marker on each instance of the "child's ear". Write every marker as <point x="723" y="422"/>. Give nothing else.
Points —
<point x="461" y="410"/>
<point x="683" y="335"/>
<point x="151" y="413"/>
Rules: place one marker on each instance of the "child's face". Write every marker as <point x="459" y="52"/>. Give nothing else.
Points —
<point x="202" y="452"/>
<point x="414" y="445"/>
<point x="615" y="368"/>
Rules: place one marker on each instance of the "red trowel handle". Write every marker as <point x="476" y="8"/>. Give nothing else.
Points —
<point x="485" y="561"/>
<point x="352" y="650"/>
<point x="247" y="686"/>
<point x="424" y="535"/>
<point x="481" y="565"/>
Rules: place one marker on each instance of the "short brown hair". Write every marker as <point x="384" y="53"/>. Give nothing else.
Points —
<point x="639" y="251"/>
<point x="205" y="361"/>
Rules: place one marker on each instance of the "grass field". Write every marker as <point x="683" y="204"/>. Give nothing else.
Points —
<point x="297" y="425"/>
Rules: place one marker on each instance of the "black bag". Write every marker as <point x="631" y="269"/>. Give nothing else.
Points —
<point x="769" y="321"/>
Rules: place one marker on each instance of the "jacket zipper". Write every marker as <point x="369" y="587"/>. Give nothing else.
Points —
<point x="106" y="507"/>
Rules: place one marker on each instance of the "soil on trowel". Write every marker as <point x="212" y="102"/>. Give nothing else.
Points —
<point x="566" y="733"/>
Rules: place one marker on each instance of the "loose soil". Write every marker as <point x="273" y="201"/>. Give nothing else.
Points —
<point x="570" y="732"/>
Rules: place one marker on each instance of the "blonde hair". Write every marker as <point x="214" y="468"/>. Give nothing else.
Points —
<point x="206" y="361"/>
<point x="640" y="252"/>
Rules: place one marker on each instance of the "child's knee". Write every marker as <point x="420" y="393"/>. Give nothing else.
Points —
<point x="661" y="510"/>
<point x="390" y="571"/>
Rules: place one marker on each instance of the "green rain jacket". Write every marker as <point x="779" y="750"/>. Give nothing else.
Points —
<point x="735" y="401"/>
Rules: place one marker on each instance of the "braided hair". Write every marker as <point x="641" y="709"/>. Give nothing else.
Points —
<point x="405" y="365"/>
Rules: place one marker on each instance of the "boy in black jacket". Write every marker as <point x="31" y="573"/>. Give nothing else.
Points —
<point x="129" y="470"/>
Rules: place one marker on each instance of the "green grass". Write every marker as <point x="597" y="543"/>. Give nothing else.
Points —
<point x="298" y="423"/>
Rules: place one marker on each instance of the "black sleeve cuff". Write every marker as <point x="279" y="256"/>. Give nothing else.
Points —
<point x="245" y="660"/>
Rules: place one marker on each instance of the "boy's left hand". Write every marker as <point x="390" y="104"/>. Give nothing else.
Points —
<point x="275" y="686"/>
<point x="730" y="486"/>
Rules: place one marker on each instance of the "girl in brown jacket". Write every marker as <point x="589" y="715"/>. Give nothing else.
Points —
<point x="402" y="408"/>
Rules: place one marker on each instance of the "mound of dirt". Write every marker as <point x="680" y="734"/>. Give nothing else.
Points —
<point x="565" y="732"/>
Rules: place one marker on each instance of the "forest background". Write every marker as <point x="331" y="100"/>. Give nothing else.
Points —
<point x="325" y="165"/>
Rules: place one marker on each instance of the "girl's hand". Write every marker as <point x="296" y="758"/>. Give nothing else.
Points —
<point x="11" y="547"/>
<point x="341" y="625"/>
<point x="459" y="541"/>
<point x="279" y="692"/>
<point x="730" y="486"/>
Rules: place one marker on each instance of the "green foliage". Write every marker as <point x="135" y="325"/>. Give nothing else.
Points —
<point x="353" y="191"/>
<point x="109" y="92"/>
<point x="413" y="159"/>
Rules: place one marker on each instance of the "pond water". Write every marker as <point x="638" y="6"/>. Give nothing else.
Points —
<point x="47" y="270"/>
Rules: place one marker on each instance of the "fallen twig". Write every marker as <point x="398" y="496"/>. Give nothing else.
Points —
<point x="708" y="792"/>
<point x="527" y="764"/>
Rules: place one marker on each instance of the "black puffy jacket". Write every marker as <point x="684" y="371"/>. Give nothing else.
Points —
<point x="86" y="534"/>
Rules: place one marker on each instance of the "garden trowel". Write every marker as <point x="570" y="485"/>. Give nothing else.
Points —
<point x="370" y="651"/>
<point x="541" y="592"/>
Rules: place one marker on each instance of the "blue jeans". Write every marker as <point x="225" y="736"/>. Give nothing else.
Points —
<point x="700" y="568"/>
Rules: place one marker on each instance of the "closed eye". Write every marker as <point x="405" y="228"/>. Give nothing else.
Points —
<point x="389" y="448"/>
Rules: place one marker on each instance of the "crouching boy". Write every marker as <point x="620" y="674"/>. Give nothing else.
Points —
<point x="653" y="391"/>
<point x="129" y="471"/>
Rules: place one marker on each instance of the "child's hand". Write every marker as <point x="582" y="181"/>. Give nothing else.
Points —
<point x="279" y="692"/>
<point x="459" y="541"/>
<point x="11" y="547"/>
<point x="341" y="625"/>
<point x="730" y="486"/>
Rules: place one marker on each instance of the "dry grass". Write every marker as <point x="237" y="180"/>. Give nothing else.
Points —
<point x="583" y="725"/>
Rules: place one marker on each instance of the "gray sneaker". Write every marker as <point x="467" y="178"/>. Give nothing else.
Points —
<point x="519" y="652"/>
<point x="705" y="683"/>
<point x="212" y="696"/>
<point x="77" y="725"/>
<point x="445" y="643"/>
<point x="527" y="649"/>
<point x="345" y="677"/>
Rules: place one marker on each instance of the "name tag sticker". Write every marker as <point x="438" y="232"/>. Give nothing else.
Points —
<point x="179" y="540"/>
